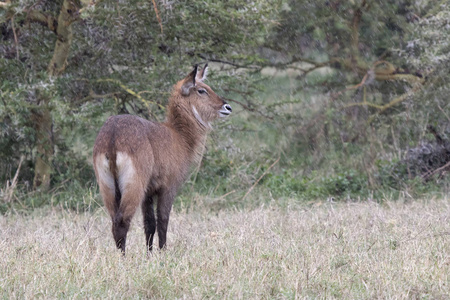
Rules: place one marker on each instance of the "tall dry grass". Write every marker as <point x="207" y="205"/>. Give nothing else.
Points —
<point x="352" y="250"/>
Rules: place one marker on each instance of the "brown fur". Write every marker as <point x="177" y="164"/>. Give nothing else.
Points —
<point x="136" y="160"/>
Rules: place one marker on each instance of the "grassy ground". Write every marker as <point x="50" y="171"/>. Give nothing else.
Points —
<point x="328" y="250"/>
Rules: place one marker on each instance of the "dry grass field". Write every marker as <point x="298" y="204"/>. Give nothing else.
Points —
<point x="394" y="250"/>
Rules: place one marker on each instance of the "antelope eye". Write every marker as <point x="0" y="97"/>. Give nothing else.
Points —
<point x="202" y="91"/>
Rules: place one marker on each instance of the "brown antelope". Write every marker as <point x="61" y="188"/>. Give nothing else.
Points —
<point x="136" y="160"/>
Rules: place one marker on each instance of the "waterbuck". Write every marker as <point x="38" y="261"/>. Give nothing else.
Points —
<point x="137" y="161"/>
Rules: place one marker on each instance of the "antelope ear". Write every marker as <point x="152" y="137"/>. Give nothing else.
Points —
<point x="201" y="76"/>
<point x="189" y="82"/>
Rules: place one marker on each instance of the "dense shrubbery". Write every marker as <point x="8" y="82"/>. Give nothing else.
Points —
<point x="357" y="120"/>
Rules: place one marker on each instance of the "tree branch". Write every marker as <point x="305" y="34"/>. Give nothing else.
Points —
<point x="5" y="5"/>
<point x="380" y="70"/>
<point x="248" y="107"/>
<point x="256" y="182"/>
<point x="15" y="38"/>
<point x="67" y="15"/>
<point x="355" y="29"/>
<point x="383" y="108"/>
<point x="32" y="15"/>
<point x="43" y="19"/>
<point x="440" y="169"/>
<point x="228" y="62"/>
<point x="155" y="7"/>
<point x="387" y="72"/>
<point x="92" y="95"/>
<point x="316" y="65"/>
<point x="133" y="93"/>
<point x="91" y="4"/>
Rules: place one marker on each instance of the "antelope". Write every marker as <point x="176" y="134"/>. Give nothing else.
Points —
<point x="137" y="161"/>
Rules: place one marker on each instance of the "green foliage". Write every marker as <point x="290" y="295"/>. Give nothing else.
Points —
<point x="331" y="136"/>
<point x="122" y="60"/>
<point x="285" y="184"/>
<point x="73" y="195"/>
<point x="323" y="25"/>
<point x="354" y="125"/>
<point x="343" y="185"/>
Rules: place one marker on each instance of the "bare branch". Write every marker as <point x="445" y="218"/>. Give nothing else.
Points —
<point x="10" y="188"/>
<point x="5" y="5"/>
<point x="87" y="5"/>
<point x="355" y="29"/>
<point x="315" y="65"/>
<point x="381" y="108"/>
<point x="438" y="170"/>
<point x="68" y="14"/>
<point x="44" y="19"/>
<point x="92" y="95"/>
<point x="394" y="102"/>
<point x="155" y="7"/>
<point x="32" y="15"/>
<point x="256" y="182"/>
<point x="15" y="38"/>
<point x="249" y="66"/>
<point x="246" y="107"/>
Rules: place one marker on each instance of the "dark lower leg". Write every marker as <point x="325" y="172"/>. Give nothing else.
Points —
<point x="163" y="221"/>
<point x="165" y="200"/>
<point x="149" y="221"/>
<point x="120" y="229"/>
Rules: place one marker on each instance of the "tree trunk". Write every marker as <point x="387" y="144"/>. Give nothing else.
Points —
<point x="64" y="38"/>
<point x="42" y="120"/>
<point x="41" y="117"/>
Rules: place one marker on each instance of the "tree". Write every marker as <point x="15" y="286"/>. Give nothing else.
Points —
<point x="375" y="52"/>
<point x="357" y="38"/>
<point x="40" y="114"/>
<point x="65" y="65"/>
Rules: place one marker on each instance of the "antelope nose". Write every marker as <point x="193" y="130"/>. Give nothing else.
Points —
<point x="225" y="110"/>
<point x="227" y="107"/>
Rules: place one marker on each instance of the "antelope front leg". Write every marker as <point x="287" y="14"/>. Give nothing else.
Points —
<point x="165" y="201"/>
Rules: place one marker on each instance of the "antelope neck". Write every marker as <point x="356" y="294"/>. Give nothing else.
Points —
<point x="191" y="128"/>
